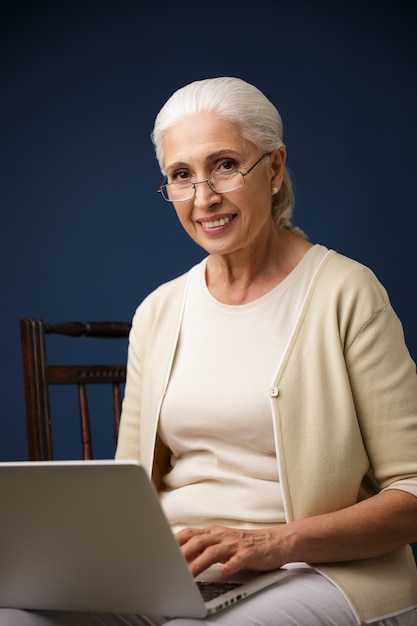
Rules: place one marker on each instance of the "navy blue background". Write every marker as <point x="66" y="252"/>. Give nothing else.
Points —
<point x="83" y="233"/>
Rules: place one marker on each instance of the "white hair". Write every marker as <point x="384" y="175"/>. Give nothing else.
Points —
<point x="242" y="104"/>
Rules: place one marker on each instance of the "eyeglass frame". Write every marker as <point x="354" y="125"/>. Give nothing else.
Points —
<point x="207" y="180"/>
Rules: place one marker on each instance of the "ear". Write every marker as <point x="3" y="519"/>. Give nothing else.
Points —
<point x="278" y="158"/>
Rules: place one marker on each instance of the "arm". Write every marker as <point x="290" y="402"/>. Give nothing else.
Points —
<point x="366" y="529"/>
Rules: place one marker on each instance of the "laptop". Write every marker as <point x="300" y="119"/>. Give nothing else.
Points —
<point x="92" y="536"/>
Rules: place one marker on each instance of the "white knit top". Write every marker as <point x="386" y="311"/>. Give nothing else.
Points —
<point x="216" y="415"/>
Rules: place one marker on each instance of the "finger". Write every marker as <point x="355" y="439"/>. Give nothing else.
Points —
<point x="183" y="536"/>
<point x="208" y="546"/>
<point x="211" y="554"/>
<point x="197" y="544"/>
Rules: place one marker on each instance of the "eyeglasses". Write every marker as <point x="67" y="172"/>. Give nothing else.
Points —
<point x="219" y="183"/>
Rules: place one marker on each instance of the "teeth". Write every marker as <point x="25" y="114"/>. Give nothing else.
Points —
<point x="215" y="223"/>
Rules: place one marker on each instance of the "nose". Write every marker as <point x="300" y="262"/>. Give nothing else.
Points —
<point x="204" y="194"/>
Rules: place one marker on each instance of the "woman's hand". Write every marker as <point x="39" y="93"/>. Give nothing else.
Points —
<point x="234" y="549"/>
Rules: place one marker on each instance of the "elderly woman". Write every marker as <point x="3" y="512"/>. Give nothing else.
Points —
<point x="270" y="393"/>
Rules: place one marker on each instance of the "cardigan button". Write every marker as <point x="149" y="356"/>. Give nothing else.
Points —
<point x="273" y="392"/>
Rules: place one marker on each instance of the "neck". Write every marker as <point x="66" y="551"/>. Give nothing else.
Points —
<point x="239" y="279"/>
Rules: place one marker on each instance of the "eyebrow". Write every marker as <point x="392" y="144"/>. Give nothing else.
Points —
<point x="210" y="157"/>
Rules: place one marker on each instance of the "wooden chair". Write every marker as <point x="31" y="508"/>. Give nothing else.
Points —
<point x="38" y="375"/>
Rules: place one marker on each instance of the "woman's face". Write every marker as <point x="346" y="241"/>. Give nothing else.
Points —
<point x="228" y="223"/>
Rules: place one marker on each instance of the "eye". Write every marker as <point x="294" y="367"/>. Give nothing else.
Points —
<point x="227" y="166"/>
<point x="179" y="176"/>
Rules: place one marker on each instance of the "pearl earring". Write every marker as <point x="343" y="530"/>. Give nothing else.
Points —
<point x="274" y="190"/>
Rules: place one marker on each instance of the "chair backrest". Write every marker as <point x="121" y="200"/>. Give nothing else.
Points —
<point x="38" y="375"/>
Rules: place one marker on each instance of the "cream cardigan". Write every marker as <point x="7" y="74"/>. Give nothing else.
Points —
<point x="344" y="410"/>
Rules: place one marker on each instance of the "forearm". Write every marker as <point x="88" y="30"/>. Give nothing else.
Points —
<point x="367" y="529"/>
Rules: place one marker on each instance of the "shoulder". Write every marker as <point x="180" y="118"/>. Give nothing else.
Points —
<point x="345" y="295"/>
<point x="165" y="301"/>
<point x="162" y="299"/>
<point x="166" y="291"/>
<point x="343" y="277"/>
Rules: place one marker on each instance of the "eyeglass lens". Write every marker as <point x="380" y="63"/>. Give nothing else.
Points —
<point x="219" y="183"/>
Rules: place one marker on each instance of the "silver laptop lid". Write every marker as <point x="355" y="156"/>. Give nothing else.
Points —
<point x="89" y="536"/>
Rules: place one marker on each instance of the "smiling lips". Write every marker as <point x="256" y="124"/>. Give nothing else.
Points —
<point x="216" y="223"/>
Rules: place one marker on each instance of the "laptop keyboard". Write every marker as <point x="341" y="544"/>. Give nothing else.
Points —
<point x="210" y="590"/>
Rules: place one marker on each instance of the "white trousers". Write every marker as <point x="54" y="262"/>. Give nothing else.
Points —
<point x="304" y="598"/>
